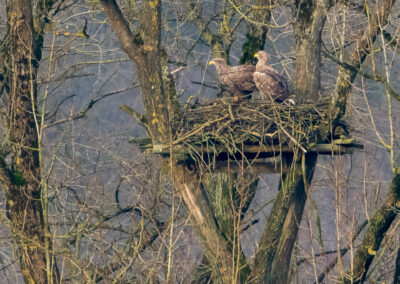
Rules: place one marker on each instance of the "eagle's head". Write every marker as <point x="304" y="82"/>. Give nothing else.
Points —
<point x="217" y="61"/>
<point x="262" y="56"/>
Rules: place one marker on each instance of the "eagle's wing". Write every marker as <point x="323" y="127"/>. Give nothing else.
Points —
<point x="269" y="82"/>
<point x="239" y="79"/>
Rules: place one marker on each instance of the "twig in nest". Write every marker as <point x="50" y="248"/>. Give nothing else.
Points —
<point x="229" y="109"/>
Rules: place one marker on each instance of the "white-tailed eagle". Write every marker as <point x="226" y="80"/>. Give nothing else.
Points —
<point x="268" y="81"/>
<point x="237" y="79"/>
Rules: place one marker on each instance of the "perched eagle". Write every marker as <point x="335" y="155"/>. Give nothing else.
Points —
<point x="268" y="81"/>
<point x="237" y="79"/>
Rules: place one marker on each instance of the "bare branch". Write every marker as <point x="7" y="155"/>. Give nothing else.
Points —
<point x="342" y="252"/>
<point x="121" y="28"/>
<point x="85" y="109"/>
<point x="346" y="76"/>
<point x="131" y="112"/>
<point x="378" y="226"/>
<point x="357" y="70"/>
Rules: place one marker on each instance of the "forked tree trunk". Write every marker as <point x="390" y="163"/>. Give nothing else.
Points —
<point x="273" y="256"/>
<point x="216" y="246"/>
<point x="144" y="49"/>
<point x="229" y="198"/>
<point x="220" y="187"/>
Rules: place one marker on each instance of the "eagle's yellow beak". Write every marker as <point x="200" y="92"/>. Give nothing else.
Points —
<point x="211" y="62"/>
<point x="256" y="55"/>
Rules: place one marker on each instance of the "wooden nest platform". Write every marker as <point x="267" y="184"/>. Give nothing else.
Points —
<point x="250" y="130"/>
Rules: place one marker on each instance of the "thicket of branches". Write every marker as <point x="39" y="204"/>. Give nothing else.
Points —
<point x="82" y="204"/>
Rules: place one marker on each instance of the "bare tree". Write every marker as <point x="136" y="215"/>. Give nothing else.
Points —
<point x="273" y="257"/>
<point x="80" y="196"/>
<point x="21" y="157"/>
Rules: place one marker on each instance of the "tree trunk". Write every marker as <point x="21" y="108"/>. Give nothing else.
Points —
<point x="23" y="191"/>
<point x="272" y="262"/>
<point x="308" y="28"/>
<point x="282" y="260"/>
<point x="143" y="47"/>
<point x="256" y="32"/>
<point x="363" y="48"/>
<point x="396" y="277"/>
<point x="229" y="201"/>
<point x="378" y="226"/>
<point x="216" y="247"/>
<point x="382" y="219"/>
<point x="282" y="225"/>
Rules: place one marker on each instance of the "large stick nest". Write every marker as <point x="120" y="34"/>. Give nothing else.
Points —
<point x="253" y="122"/>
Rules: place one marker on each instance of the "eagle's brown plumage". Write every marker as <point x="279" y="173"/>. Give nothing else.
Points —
<point x="237" y="79"/>
<point x="267" y="79"/>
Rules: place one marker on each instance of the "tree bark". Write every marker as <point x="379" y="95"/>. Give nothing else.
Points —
<point x="216" y="247"/>
<point x="378" y="226"/>
<point x="256" y="32"/>
<point x="383" y="218"/>
<point x="22" y="180"/>
<point x="282" y="224"/>
<point x="272" y="262"/>
<point x="346" y="76"/>
<point x="282" y="261"/>
<point x="229" y="201"/>
<point x="310" y="20"/>
<point x="143" y="48"/>
<point x="396" y="277"/>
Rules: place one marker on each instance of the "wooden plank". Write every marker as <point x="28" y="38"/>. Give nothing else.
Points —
<point x="322" y="149"/>
<point x="256" y="167"/>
